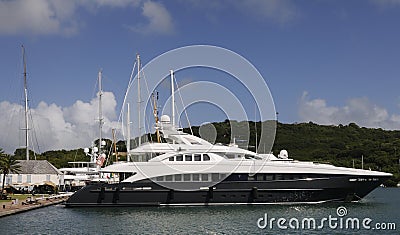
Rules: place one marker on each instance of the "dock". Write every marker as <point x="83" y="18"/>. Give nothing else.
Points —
<point x="15" y="206"/>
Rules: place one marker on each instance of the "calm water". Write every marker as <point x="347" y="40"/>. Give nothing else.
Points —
<point x="382" y="206"/>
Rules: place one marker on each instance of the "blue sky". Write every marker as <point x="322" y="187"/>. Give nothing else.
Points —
<point x="329" y="62"/>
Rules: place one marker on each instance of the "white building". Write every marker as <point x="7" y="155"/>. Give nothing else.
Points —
<point x="34" y="172"/>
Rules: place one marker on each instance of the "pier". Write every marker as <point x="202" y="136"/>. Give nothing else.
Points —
<point x="15" y="206"/>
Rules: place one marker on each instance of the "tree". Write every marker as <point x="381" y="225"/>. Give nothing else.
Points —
<point x="8" y="164"/>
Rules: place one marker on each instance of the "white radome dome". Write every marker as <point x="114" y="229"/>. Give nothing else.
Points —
<point x="165" y="119"/>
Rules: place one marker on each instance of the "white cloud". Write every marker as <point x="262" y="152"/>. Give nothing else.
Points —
<point x="58" y="127"/>
<point x="358" y="110"/>
<point x="277" y="11"/>
<point x="158" y="17"/>
<point x="281" y="11"/>
<point x="386" y="3"/>
<point x="37" y="17"/>
<point x="46" y="17"/>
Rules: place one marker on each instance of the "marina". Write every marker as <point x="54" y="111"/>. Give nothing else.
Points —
<point x="199" y="117"/>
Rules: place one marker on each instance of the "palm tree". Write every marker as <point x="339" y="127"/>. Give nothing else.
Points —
<point x="8" y="164"/>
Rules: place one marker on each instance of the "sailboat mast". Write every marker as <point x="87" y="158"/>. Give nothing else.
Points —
<point x="100" y="110"/>
<point x="139" y="99"/>
<point x="128" y="133"/>
<point x="172" y="98"/>
<point x="26" y="106"/>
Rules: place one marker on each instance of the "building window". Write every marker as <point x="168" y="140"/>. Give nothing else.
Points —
<point x="28" y="178"/>
<point x="9" y="179"/>
<point x="47" y="177"/>
<point x="19" y="180"/>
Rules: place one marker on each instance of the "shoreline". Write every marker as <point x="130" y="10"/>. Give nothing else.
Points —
<point x="15" y="207"/>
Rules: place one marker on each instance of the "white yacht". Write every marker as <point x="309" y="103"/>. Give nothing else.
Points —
<point x="184" y="169"/>
<point x="187" y="170"/>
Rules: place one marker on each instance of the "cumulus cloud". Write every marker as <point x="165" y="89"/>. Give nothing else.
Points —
<point x="281" y="11"/>
<point x="49" y="17"/>
<point x="357" y="110"/>
<point x="386" y="3"/>
<point x="158" y="17"/>
<point x="277" y="11"/>
<point x="58" y="127"/>
<point x="37" y="17"/>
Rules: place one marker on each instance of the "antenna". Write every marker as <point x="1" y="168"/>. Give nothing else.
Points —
<point x="26" y="106"/>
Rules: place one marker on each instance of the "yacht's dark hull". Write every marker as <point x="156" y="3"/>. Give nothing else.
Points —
<point x="148" y="193"/>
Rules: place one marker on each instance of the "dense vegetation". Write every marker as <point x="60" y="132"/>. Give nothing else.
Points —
<point x="339" y="145"/>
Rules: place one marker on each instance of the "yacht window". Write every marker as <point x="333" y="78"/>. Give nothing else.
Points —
<point x="206" y="157"/>
<point x="179" y="158"/>
<point x="250" y="178"/>
<point x="186" y="177"/>
<point x="196" y="177"/>
<point x="188" y="157"/>
<point x="168" y="178"/>
<point x="269" y="177"/>
<point x="230" y="156"/>
<point x="279" y="177"/>
<point x="248" y="156"/>
<point x="160" y="178"/>
<point x="204" y="177"/>
<point x="222" y="176"/>
<point x="171" y="159"/>
<point x="197" y="157"/>
<point x="260" y="177"/>
<point x="178" y="177"/>
<point x="215" y="177"/>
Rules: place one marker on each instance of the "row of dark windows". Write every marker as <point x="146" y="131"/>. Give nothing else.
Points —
<point x="190" y="157"/>
<point x="271" y="177"/>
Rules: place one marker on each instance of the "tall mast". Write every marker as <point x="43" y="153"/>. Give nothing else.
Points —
<point x="26" y="106"/>
<point x="139" y="101"/>
<point x="100" y="111"/>
<point x="128" y="133"/>
<point x="172" y="98"/>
